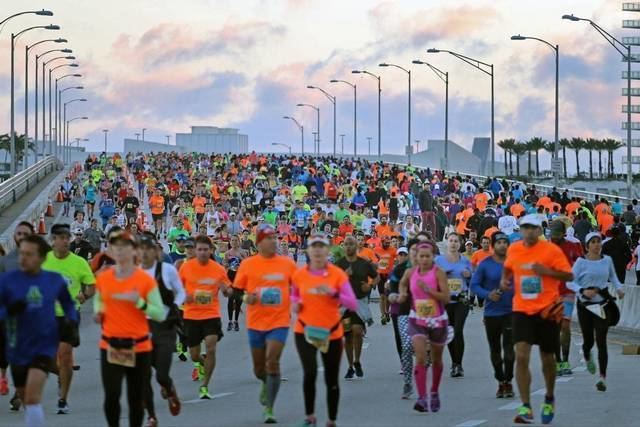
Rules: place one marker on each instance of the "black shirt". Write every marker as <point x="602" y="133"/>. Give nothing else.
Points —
<point x="359" y="272"/>
<point x="130" y="204"/>
<point x="394" y="287"/>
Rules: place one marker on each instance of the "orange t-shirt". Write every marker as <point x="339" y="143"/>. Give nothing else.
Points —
<point x="384" y="230"/>
<point x="533" y="293"/>
<point x="481" y="200"/>
<point x="516" y="210"/>
<point x="122" y="319"/>
<point x="269" y="279"/>
<point x="489" y="231"/>
<point x="198" y="204"/>
<point x="156" y="203"/>
<point x="202" y="283"/>
<point x="368" y="253"/>
<point x="479" y="255"/>
<point x="321" y="311"/>
<point x="605" y="222"/>
<point x="386" y="259"/>
<point x="571" y="208"/>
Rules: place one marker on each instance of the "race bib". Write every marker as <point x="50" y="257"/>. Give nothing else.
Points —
<point x="270" y="296"/>
<point x="129" y="206"/>
<point x="300" y="223"/>
<point x="455" y="285"/>
<point x="530" y="287"/>
<point x="426" y="308"/>
<point x="121" y="356"/>
<point x="383" y="263"/>
<point x="203" y="297"/>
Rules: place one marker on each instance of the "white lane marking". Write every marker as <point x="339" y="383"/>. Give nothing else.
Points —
<point x="365" y="345"/>
<point x="472" y="423"/>
<point x="510" y="407"/>
<point x="579" y="369"/>
<point x="563" y="379"/>
<point x="540" y="392"/>
<point x="215" y="396"/>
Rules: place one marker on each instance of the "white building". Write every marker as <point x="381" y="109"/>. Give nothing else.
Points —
<point x="210" y="139"/>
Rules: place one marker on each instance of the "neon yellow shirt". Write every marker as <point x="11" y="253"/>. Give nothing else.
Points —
<point x="74" y="269"/>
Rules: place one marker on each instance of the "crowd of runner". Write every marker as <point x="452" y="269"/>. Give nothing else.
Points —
<point x="155" y="241"/>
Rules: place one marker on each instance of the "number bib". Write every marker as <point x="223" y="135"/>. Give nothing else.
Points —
<point x="300" y="223"/>
<point x="121" y="356"/>
<point x="383" y="263"/>
<point x="270" y="296"/>
<point x="455" y="285"/>
<point x="426" y="308"/>
<point x="203" y="297"/>
<point x="530" y="287"/>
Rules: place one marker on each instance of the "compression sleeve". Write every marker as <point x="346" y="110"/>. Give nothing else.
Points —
<point x="347" y="297"/>
<point x="155" y="308"/>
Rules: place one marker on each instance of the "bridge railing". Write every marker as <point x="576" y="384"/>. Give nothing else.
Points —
<point x="16" y="186"/>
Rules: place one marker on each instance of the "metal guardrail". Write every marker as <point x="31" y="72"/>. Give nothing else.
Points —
<point x="15" y="187"/>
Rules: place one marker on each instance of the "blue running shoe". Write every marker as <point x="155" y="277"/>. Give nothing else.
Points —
<point x="525" y="415"/>
<point x="548" y="411"/>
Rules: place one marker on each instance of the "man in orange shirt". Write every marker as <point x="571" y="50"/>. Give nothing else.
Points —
<point x="386" y="258"/>
<point x="536" y="269"/>
<point x="156" y="203"/>
<point x="198" y="204"/>
<point x="384" y="228"/>
<point x="364" y="251"/>
<point x="266" y="280"/>
<point x="346" y="227"/>
<point x="482" y="253"/>
<point x="203" y="278"/>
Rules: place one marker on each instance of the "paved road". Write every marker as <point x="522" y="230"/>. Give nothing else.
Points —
<point x="374" y="401"/>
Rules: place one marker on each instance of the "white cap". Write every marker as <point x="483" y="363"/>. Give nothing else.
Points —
<point x="402" y="250"/>
<point x="531" y="219"/>
<point x="78" y="231"/>
<point x="318" y="238"/>
<point x="591" y="236"/>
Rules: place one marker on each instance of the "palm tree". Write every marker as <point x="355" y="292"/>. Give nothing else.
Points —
<point x="590" y="145"/>
<point x="507" y="146"/>
<point x="519" y="149"/>
<point x="536" y="144"/>
<point x="611" y="145"/>
<point x="577" y="144"/>
<point x="564" y="143"/>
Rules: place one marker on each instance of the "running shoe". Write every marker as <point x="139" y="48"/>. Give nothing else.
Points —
<point x="601" y="385"/>
<point x="4" y="386"/>
<point x="421" y="406"/>
<point x="559" y="370"/>
<point x="200" y="372"/>
<point x="263" y="394"/>
<point x="525" y="415"/>
<point x="268" y="417"/>
<point x="407" y="391"/>
<point x="15" y="403"/>
<point x="174" y="403"/>
<point x="204" y="392"/>
<point x="358" y="368"/>
<point x="63" y="408"/>
<point x="236" y="326"/>
<point x="508" y="390"/>
<point x="383" y="320"/>
<point x="500" y="392"/>
<point x="591" y="366"/>
<point x="195" y="374"/>
<point x="350" y="374"/>
<point x="460" y="371"/>
<point x="151" y="422"/>
<point x="566" y="369"/>
<point x="308" y="422"/>
<point x="435" y="402"/>
<point x="547" y="411"/>
<point x="229" y="326"/>
<point x="76" y="367"/>
<point x="182" y="356"/>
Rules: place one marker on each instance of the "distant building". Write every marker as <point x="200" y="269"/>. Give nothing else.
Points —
<point x="210" y="139"/>
<point x="459" y="158"/>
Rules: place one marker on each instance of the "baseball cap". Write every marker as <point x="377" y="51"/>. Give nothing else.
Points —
<point x="557" y="227"/>
<point x="498" y="236"/>
<point x="591" y="236"/>
<point x="531" y="219"/>
<point x="60" y="229"/>
<point x="402" y="250"/>
<point x="181" y="237"/>
<point x="190" y="243"/>
<point x="318" y="238"/>
<point x="148" y="239"/>
<point x="123" y="236"/>
<point x="78" y="231"/>
<point x="263" y="231"/>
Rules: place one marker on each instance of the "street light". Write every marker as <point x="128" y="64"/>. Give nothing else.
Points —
<point x="35" y="12"/>
<point x="58" y="132"/>
<point x="67" y="135"/>
<point x="14" y="37"/>
<point x="482" y="66"/>
<point x="333" y="100"/>
<point x="143" y="130"/>
<point x="369" y="145"/>
<point x="355" y="113"/>
<point x="60" y="121"/>
<point x="556" y="144"/>
<point x="317" y="137"/>
<point x="379" y="111"/>
<point x="44" y="65"/>
<point x="137" y="136"/>
<point x="444" y="76"/>
<point x="105" y="131"/>
<point x="283" y="145"/>
<point x="64" y="117"/>
<point x="168" y="139"/>
<point x="384" y="64"/>
<point x="81" y="139"/>
<point x="615" y="43"/>
<point x="301" y="132"/>
<point x="342" y="143"/>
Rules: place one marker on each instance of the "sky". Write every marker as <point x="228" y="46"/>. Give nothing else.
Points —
<point x="167" y="65"/>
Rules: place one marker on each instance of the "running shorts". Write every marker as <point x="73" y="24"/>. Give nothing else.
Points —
<point x="350" y="318"/>
<point x="381" y="282"/>
<point x="68" y="332"/>
<point x="20" y="372"/>
<point x="197" y="330"/>
<point x="535" y="330"/>
<point x="437" y="336"/>
<point x="569" y="302"/>
<point x="157" y="217"/>
<point x="258" y="339"/>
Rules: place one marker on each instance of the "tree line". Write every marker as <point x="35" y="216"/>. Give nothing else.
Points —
<point x="515" y="148"/>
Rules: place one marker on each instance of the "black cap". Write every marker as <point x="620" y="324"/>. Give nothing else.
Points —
<point x="498" y="235"/>
<point x="60" y="229"/>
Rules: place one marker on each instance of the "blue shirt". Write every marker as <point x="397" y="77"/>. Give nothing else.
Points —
<point x="454" y="271"/>
<point x="485" y="279"/>
<point x="34" y="331"/>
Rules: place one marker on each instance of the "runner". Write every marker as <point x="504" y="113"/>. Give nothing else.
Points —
<point x="362" y="277"/>
<point x="203" y="279"/>
<point x="125" y="296"/>
<point x="265" y="279"/>
<point x="28" y="298"/>
<point x="80" y="280"/>
<point x="536" y="268"/>
<point x="386" y="259"/>
<point x="319" y="289"/>
<point x="498" y="319"/>
<point x="592" y="274"/>
<point x="158" y="208"/>
<point x="458" y="269"/>
<point x="425" y="286"/>
<point x="163" y="334"/>
<point x="232" y="260"/>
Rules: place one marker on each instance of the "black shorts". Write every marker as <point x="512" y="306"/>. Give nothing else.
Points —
<point x="381" y="283"/>
<point x="157" y="217"/>
<point x="197" y="330"/>
<point x="91" y="203"/>
<point x="535" y="330"/>
<point x="68" y="332"/>
<point x="20" y="372"/>
<point x="350" y="318"/>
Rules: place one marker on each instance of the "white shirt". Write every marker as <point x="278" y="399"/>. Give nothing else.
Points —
<point x="171" y="281"/>
<point x="368" y="224"/>
<point x="507" y="223"/>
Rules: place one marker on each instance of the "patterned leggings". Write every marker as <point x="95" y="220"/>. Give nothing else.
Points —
<point x="407" y="350"/>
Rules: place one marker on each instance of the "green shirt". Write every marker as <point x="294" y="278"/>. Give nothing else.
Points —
<point x="357" y="219"/>
<point x="75" y="270"/>
<point x="299" y="191"/>
<point x="336" y="252"/>
<point x="175" y="232"/>
<point x="340" y="214"/>
<point x="270" y="217"/>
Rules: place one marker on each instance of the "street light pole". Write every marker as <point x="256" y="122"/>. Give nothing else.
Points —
<point x="369" y="145"/>
<point x="625" y="54"/>
<point x="143" y="130"/>
<point x="482" y="66"/>
<point x="317" y="137"/>
<point x="342" y="142"/>
<point x="556" y="48"/>
<point x="106" y="131"/>
<point x="379" y="109"/>
<point x="58" y="132"/>
<point x="333" y="101"/>
<point x="384" y="64"/>
<point x="66" y="128"/>
<point x="283" y="145"/>
<point x="168" y="138"/>
<point x="67" y="136"/>
<point x="301" y="132"/>
<point x="355" y="114"/>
